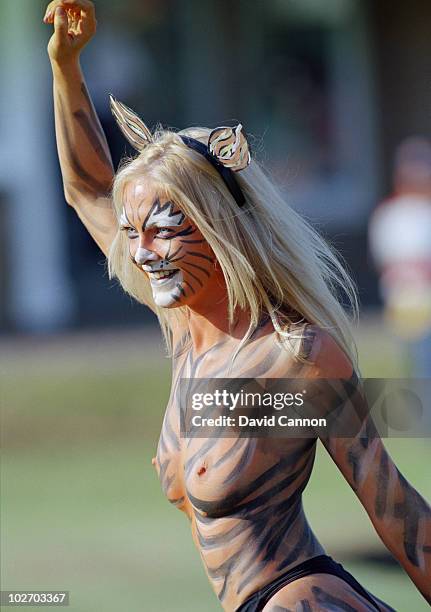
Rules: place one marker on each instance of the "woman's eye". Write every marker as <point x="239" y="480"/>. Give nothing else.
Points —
<point x="163" y="231"/>
<point x="131" y="233"/>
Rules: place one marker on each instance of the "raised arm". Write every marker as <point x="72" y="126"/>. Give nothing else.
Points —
<point x="85" y="160"/>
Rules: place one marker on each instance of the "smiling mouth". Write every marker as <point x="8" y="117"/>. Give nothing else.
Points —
<point x="160" y="274"/>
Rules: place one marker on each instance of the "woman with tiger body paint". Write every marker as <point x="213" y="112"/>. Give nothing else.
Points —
<point x="243" y="287"/>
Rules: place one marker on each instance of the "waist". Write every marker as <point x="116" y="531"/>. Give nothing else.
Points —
<point x="242" y="555"/>
<point x="321" y="564"/>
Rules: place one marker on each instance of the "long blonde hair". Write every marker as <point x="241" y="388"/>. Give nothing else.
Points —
<point x="272" y="259"/>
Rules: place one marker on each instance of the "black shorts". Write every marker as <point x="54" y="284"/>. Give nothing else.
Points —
<point x="317" y="565"/>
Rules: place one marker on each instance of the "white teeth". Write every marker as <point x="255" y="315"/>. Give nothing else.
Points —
<point x="163" y="274"/>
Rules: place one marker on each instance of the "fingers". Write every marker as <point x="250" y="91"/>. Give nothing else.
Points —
<point x="50" y="10"/>
<point x="84" y="7"/>
<point x="49" y="13"/>
<point x="60" y="22"/>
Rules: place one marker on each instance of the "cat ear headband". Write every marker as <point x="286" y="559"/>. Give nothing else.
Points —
<point x="227" y="149"/>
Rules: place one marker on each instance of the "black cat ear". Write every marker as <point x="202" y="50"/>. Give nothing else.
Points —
<point x="230" y="147"/>
<point x="132" y="126"/>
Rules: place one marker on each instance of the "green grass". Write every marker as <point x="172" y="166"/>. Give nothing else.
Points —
<point x="82" y="508"/>
<point x="93" y="521"/>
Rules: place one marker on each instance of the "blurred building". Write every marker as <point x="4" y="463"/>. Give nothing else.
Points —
<point x="326" y="88"/>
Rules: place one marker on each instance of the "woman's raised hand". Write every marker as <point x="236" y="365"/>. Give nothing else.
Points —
<point x="83" y="151"/>
<point x="74" y="25"/>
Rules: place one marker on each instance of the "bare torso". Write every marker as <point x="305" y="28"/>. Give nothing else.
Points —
<point x="242" y="495"/>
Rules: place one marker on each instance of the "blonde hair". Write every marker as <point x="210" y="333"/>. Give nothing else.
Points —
<point x="271" y="258"/>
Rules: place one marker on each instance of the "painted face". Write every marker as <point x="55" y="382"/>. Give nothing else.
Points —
<point x="168" y="247"/>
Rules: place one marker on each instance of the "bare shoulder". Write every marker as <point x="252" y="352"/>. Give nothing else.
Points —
<point x="322" y="355"/>
<point x="327" y="358"/>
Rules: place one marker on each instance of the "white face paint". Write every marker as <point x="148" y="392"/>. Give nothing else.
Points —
<point x="162" y="218"/>
<point x="142" y="255"/>
<point x="164" y="289"/>
<point x="168" y="248"/>
<point x="165" y="279"/>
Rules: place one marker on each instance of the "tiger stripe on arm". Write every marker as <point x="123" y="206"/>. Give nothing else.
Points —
<point x="400" y="515"/>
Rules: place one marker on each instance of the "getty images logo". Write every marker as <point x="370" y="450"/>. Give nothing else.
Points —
<point x="230" y="401"/>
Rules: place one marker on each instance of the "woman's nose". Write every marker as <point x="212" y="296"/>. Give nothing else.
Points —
<point x="142" y="255"/>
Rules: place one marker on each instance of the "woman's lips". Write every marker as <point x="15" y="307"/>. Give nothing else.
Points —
<point x="172" y="275"/>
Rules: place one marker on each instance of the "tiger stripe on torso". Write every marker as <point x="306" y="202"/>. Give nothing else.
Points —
<point x="242" y="495"/>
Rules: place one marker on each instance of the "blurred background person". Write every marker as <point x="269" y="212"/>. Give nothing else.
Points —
<point x="400" y="243"/>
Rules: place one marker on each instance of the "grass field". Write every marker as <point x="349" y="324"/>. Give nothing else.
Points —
<point x="81" y="506"/>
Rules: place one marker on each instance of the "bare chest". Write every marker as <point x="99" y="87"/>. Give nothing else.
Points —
<point x="213" y="475"/>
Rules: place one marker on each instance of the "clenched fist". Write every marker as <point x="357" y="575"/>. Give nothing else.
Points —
<point x="74" y="25"/>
